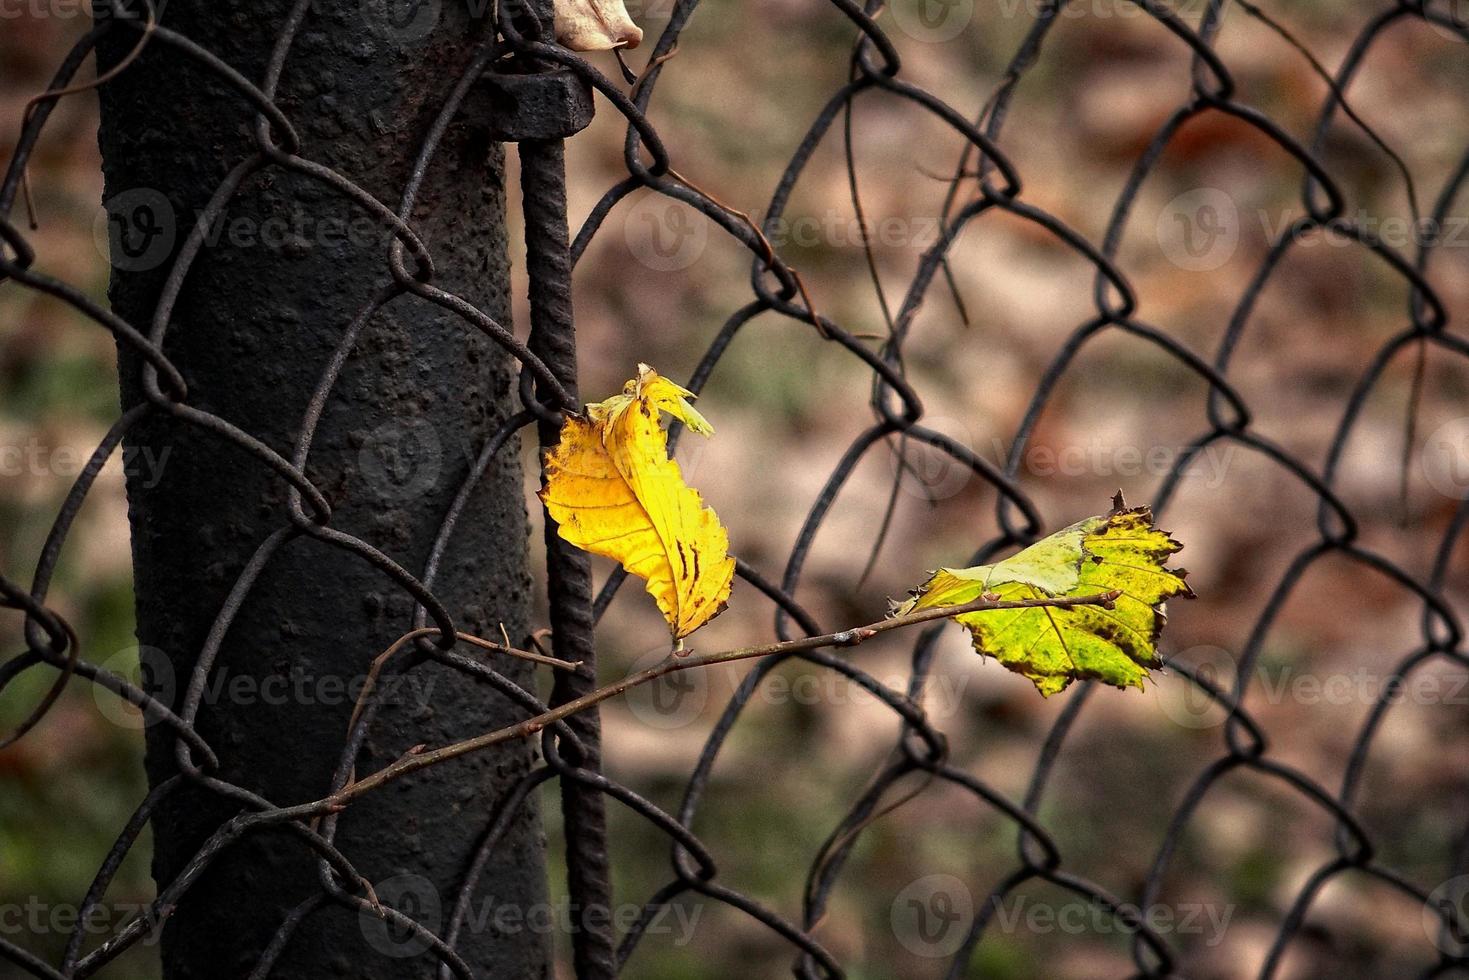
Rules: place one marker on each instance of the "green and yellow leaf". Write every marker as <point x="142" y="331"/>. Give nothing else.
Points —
<point x="1122" y="552"/>
<point x="613" y="490"/>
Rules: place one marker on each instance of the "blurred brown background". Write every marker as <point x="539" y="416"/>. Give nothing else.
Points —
<point x="655" y="286"/>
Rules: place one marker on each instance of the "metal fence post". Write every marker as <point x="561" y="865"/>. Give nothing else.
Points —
<point x="290" y="263"/>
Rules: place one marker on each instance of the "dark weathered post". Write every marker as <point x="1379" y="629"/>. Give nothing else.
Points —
<point x="277" y="283"/>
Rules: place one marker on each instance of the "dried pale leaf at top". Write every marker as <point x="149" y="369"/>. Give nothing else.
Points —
<point x="595" y="25"/>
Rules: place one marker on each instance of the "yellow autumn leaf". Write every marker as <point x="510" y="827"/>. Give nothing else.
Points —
<point x="612" y="490"/>
<point x="1117" y="644"/>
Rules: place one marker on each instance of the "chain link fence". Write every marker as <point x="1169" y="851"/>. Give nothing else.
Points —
<point x="942" y="918"/>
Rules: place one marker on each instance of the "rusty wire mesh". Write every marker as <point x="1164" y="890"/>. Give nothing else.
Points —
<point x="984" y="182"/>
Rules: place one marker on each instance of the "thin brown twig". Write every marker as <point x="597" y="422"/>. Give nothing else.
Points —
<point x="765" y="246"/>
<point x="396" y="647"/>
<point x="637" y="85"/>
<point x="418" y="758"/>
<point x="769" y="255"/>
<point x="423" y="632"/>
